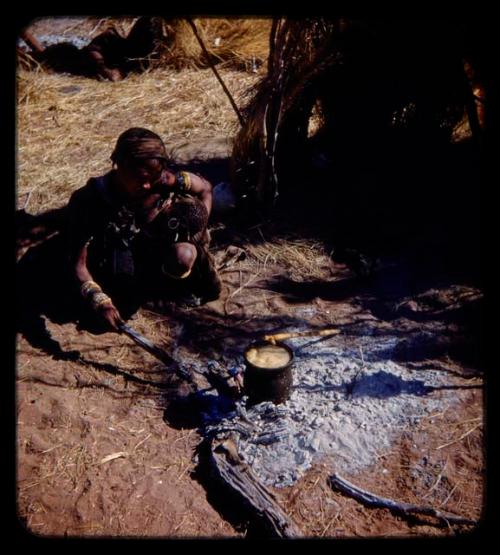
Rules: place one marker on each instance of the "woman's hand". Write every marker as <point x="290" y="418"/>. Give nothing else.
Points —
<point x="103" y="305"/>
<point x="109" y="312"/>
<point x="165" y="184"/>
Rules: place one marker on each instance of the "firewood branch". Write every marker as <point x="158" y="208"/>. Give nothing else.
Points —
<point x="372" y="500"/>
<point x="228" y="467"/>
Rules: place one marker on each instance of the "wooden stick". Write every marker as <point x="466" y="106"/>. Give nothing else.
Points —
<point x="231" y="258"/>
<point x="212" y="67"/>
<point x="228" y="467"/>
<point x="157" y="352"/>
<point x="437" y="480"/>
<point x="280" y="336"/>
<point x="461" y="437"/>
<point x="403" y="508"/>
<point x="199" y="381"/>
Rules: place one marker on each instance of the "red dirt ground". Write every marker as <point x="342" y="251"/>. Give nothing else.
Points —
<point x="96" y="455"/>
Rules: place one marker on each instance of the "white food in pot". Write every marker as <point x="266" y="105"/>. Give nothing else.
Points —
<point x="268" y="356"/>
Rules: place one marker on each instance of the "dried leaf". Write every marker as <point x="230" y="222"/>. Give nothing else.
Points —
<point x="113" y="456"/>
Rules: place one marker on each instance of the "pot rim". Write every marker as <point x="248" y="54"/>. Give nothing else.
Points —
<point x="262" y="343"/>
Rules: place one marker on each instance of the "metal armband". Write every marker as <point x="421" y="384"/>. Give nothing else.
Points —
<point x="183" y="181"/>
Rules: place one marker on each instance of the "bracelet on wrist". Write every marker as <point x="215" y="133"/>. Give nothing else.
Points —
<point x="183" y="181"/>
<point x="89" y="288"/>
<point x="100" y="299"/>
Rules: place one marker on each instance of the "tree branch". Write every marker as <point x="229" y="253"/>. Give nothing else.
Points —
<point x="336" y="481"/>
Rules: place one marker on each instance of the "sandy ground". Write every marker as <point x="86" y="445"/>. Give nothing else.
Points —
<point x="99" y="453"/>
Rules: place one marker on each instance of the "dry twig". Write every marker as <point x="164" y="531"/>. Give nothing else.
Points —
<point x="461" y="437"/>
<point x="438" y="479"/>
<point x="405" y="509"/>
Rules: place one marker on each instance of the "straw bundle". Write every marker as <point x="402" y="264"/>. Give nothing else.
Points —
<point x="237" y="43"/>
<point x="300" y="53"/>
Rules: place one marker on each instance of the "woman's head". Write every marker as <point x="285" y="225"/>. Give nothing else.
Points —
<point x="140" y="157"/>
<point x="138" y="143"/>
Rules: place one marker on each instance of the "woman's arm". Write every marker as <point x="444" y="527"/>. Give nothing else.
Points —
<point x="82" y="215"/>
<point x="186" y="182"/>
<point x="202" y="189"/>
<point x="93" y="293"/>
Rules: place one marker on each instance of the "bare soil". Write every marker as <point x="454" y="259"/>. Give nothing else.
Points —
<point x="101" y="454"/>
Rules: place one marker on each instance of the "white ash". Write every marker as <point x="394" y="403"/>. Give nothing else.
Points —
<point x="49" y="40"/>
<point x="349" y="403"/>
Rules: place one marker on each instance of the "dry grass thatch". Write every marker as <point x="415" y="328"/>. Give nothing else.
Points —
<point x="236" y="43"/>
<point x="300" y="53"/>
<point x="67" y="125"/>
<point x="366" y="79"/>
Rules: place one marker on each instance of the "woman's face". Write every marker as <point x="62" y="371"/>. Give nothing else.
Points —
<point x="137" y="178"/>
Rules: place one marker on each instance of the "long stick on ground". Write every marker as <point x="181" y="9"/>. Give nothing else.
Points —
<point x="146" y="344"/>
<point x="290" y="335"/>
<point x="372" y="500"/>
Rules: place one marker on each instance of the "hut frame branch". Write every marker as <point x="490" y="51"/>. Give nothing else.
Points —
<point x="212" y="66"/>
